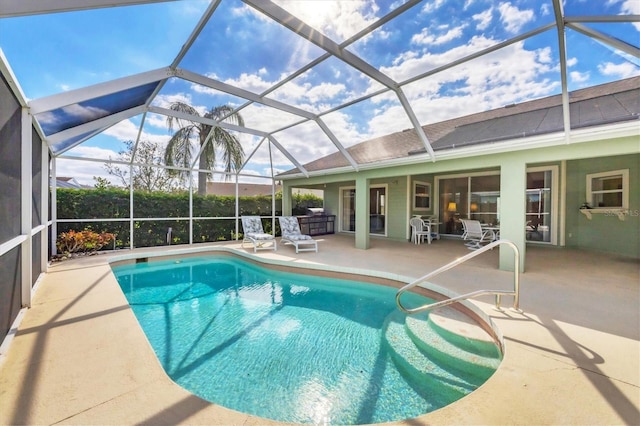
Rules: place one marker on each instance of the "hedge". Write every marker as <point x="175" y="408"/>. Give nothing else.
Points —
<point x="114" y="203"/>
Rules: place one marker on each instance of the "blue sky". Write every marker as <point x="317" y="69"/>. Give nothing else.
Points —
<point x="54" y="53"/>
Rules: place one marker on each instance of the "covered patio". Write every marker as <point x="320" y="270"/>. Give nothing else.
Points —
<point x="80" y="357"/>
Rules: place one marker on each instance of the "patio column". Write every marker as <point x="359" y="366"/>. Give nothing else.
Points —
<point x="286" y="199"/>
<point x="362" y="212"/>
<point x="513" y="187"/>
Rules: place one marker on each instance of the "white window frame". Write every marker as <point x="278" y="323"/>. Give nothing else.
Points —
<point x="612" y="174"/>
<point x="428" y="194"/>
<point x="554" y="202"/>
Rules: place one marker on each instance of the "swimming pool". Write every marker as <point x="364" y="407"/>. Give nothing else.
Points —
<point x="291" y="347"/>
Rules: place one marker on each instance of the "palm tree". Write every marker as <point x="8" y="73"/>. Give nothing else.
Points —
<point x="179" y="150"/>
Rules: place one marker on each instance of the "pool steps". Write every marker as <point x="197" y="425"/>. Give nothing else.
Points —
<point x="459" y="329"/>
<point x="432" y="349"/>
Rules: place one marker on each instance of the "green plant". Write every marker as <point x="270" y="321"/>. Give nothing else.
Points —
<point x="85" y="241"/>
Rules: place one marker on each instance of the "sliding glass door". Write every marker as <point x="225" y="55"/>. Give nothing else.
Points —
<point x="348" y="210"/>
<point x="478" y="197"/>
<point x="539" y="215"/>
<point x="468" y="197"/>
<point x="377" y="210"/>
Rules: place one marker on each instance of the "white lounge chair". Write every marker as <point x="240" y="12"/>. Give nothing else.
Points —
<point x="254" y="233"/>
<point x="475" y="235"/>
<point x="291" y="235"/>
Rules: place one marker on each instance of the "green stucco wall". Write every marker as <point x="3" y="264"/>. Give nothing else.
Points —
<point x="604" y="232"/>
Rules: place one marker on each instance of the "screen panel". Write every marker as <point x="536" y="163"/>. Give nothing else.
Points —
<point x="10" y="158"/>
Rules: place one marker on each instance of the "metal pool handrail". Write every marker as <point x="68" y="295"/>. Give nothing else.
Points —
<point x="498" y="293"/>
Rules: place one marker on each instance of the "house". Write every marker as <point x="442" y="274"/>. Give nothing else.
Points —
<point x="254" y="189"/>
<point x="511" y="166"/>
<point x="69" y="182"/>
<point x="244" y="189"/>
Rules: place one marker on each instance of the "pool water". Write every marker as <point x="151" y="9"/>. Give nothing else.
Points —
<point x="288" y="347"/>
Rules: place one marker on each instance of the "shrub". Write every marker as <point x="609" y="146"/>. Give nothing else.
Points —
<point x="86" y="241"/>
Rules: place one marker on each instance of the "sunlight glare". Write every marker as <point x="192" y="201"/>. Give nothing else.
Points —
<point x="316" y="13"/>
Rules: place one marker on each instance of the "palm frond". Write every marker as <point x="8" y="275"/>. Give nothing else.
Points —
<point x="227" y="113"/>
<point x="184" y="108"/>
<point x="178" y="151"/>
<point x="232" y="151"/>
<point x="212" y="140"/>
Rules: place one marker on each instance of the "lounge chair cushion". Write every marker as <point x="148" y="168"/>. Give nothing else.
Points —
<point x="296" y="237"/>
<point x="252" y="225"/>
<point x="289" y="225"/>
<point x="259" y="236"/>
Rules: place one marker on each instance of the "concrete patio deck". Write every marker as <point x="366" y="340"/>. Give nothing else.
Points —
<point x="572" y="357"/>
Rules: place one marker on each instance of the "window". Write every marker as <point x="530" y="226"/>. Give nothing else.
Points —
<point x="421" y="196"/>
<point x="608" y="189"/>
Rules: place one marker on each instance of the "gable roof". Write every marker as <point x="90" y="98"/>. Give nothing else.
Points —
<point x="599" y="105"/>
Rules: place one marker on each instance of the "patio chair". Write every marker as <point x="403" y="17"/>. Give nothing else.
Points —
<point x="419" y="230"/>
<point x="253" y="233"/>
<point x="475" y="235"/>
<point x="291" y="235"/>
<point x="434" y="224"/>
<point x="464" y="229"/>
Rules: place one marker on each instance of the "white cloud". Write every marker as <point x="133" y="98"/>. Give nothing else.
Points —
<point x="572" y="61"/>
<point x="484" y="19"/>
<point x="308" y="95"/>
<point x="156" y="120"/>
<point x="343" y="128"/>
<point x="165" y="100"/>
<point x="544" y="55"/>
<point x="631" y="7"/>
<point x="389" y="120"/>
<point x="409" y="64"/>
<point x="509" y="75"/>
<point x="513" y="18"/>
<point x="545" y="9"/>
<point x="251" y="82"/>
<point x="623" y="70"/>
<point x="430" y="6"/>
<point x="126" y="130"/>
<point x="261" y="117"/>
<point x="306" y="141"/>
<point x="579" y="77"/>
<point x="299" y="92"/>
<point x="404" y="57"/>
<point x="425" y="38"/>
<point x="84" y="171"/>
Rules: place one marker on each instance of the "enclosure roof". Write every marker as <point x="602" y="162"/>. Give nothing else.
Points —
<point x="313" y="78"/>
